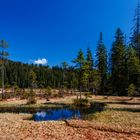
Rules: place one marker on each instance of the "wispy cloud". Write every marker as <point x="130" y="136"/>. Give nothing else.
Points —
<point x="42" y="61"/>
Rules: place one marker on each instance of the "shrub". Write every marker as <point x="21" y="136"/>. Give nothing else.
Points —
<point x="48" y="93"/>
<point x="131" y="90"/>
<point x="48" y="90"/>
<point x="82" y="102"/>
<point x="24" y="95"/>
<point x="31" y="97"/>
<point x="61" y="93"/>
<point x="87" y="95"/>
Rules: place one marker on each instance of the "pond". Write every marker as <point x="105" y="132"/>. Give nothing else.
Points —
<point x="68" y="113"/>
<point x="57" y="114"/>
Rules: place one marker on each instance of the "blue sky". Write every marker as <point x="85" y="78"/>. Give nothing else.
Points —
<point x="57" y="29"/>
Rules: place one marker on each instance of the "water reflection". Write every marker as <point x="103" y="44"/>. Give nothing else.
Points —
<point x="56" y="114"/>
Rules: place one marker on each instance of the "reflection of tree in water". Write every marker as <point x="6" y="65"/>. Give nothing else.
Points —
<point x="50" y="112"/>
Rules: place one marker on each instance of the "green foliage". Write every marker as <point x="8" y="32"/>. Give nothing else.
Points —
<point x="102" y="63"/>
<point x="89" y="58"/>
<point x="89" y="68"/>
<point x="80" y="60"/>
<point x="135" y="39"/>
<point x="118" y="65"/>
<point x="131" y="90"/>
<point x="3" y="58"/>
<point x="86" y="75"/>
<point x="133" y="64"/>
<point x="81" y="66"/>
<point x="64" y="66"/>
<point x="32" y="78"/>
<point x="96" y="81"/>
<point x="84" y="69"/>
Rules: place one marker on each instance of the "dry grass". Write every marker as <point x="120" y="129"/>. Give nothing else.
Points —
<point x="14" y="127"/>
<point x="120" y="120"/>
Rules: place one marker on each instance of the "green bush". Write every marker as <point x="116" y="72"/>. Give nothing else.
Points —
<point x="82" y="102"/>
<point x="131" y="90"/>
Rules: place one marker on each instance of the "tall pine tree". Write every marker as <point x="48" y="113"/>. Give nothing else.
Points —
<point x="135" y="39"/>
<point x="89" y="58"/>
<point x="133" y="64"/>
<point x="90" y="64"/>
<point x="102" y="63"/>
<point x="80" y="63"/>
<point x="3" y="58"/>
<point x="118" y="65"/>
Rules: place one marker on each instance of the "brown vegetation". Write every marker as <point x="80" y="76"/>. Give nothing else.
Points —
<point x="120" y="120"/>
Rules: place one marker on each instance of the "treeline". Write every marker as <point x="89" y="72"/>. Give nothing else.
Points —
<point x="114" y="74"/>
<point x="111" y="73"/>
<point x="19" y="74"/>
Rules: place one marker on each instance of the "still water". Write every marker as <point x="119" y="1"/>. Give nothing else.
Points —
<point x="56" y="114"/>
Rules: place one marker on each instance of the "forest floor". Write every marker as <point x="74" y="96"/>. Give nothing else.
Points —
<point x="119" y="120"/>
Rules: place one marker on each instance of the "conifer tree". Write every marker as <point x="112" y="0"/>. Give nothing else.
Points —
<point x="3" y="57"/>
<point x="80" y="63"/>
<point x="118" y="65"/>
<point x="89" y="65"/>
<point x="102" y="62"/>
<point x="64" y="66"/>
<point x="89" y="58"/>
<point x="133" y="64"/>
<point x="135" y="39"/>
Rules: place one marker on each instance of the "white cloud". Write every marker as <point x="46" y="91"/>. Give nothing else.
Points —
<point x="42" y="61"/>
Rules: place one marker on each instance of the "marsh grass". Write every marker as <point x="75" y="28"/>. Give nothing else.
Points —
<point x="117" y="111"/>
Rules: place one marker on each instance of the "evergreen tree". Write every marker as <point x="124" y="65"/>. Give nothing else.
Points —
<point x="135" y="39"/>
<point x="3" y="58"/>
<point x="64" y="66"/>
<point x="80" y="62"/>
<point x="133" y="64"/>
<point x="89" y="58"/>
<point x="118" y="65"/>
<point x="86" y="76"/>
<point x="32" y="77"/>
<point x="89" y="65"/>
<point x="102" y="63"/>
